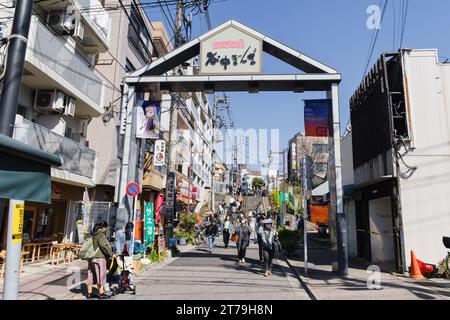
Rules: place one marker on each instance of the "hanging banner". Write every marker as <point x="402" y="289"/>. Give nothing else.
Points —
<point x="317" y="118"/>
<point x="231" y="51"/>
<point x="149" y="223"/>
<point x="160" y="153"/>
<point x="148" y="120"/>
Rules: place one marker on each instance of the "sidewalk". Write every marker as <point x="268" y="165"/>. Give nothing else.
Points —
<point x="41" y="281"/>
<point x="323" y="284"/>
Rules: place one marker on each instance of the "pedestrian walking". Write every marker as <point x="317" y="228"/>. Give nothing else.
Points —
<point x="259" y="231"/>
<point x="97" y="265"/>
<point x="227" y="231"/>
<point x="211" y="233"/>
<point x="267" y="236"/>
<point x="243" y="232"/>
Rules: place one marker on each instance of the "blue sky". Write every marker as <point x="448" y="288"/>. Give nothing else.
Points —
<point x="333" y="32"/>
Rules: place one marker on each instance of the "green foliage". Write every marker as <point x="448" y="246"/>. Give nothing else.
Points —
<point x="274" y="199"/>
<point x="154" y="253"/>
<point x="258" y="182"/>
<point x="186" y="229"/>
<point x="288" y="239"/>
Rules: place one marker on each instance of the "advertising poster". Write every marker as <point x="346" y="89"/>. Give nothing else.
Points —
<point x="317" y="118"/>
<point x="148" y="120"/>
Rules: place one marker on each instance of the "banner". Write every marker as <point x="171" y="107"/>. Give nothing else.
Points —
<point x="149" y="223"/>
<point x="160" y="153"/>
<point x="317" y="118"/>
<point x="148" y="120"/>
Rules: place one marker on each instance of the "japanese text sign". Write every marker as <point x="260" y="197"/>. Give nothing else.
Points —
<point x="231" y="51"/>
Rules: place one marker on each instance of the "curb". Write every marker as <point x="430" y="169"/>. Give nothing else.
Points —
<point x="302" y="282"/>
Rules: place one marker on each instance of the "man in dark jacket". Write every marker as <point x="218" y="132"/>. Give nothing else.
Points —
<point x="211" y="232"/>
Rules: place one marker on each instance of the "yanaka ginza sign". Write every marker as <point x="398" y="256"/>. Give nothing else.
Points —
<point x="231" y="51"/>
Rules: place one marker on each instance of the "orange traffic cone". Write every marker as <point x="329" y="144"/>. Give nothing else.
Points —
<point x="415" y="269"/>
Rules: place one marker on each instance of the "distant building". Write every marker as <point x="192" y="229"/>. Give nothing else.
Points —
<point x="315" y="147"/>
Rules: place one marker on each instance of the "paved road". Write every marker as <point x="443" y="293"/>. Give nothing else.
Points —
<point x="199" y="275"/>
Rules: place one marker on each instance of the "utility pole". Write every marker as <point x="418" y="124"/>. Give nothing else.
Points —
<point x="12" y="81"/>
<point x="170" y="210"/>
<point x="283" y="202"/>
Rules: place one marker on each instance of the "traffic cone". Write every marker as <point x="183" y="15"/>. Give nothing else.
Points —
<point x="415" y="269"/>
<point x="424" y="267"/>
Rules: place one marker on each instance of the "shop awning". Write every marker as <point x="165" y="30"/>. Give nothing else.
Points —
<point x="25" y="171"/>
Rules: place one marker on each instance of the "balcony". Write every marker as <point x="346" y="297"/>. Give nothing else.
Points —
<point x="94" y="17"/>
<point x="51" y="63"/>
<point x="77" y="159"/>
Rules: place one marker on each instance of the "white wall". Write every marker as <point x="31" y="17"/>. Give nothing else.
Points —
<point x="426" y="195"/>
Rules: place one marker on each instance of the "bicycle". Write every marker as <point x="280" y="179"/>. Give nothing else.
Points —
<point x="446" y="241"/>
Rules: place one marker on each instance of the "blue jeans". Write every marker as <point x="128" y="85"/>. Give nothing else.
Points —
<point x="211" y="242"/>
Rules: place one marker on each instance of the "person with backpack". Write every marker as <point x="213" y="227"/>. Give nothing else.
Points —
<point x="267" y="236"/>
<point x="211" y="232"/>
<point x="96" y="253"/>
<point x="243" y="231"/>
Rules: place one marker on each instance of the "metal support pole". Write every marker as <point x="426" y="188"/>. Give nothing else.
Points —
<point x="341" y="221"/>
<point x="14" y="248"/>
<point x="12" y="81"/>
<point x="305" y="214"/>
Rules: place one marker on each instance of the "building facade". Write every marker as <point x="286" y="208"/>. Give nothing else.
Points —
<point x="61" y="94"/>
<point x="401" y="143"/>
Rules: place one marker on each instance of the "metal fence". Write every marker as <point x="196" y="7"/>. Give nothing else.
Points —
<point x="87" y="215"/>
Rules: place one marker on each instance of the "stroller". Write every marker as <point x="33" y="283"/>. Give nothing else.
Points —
<point x="120" y="273"/>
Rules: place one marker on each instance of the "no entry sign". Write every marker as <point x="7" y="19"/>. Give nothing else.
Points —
<point x="133" y="189"/>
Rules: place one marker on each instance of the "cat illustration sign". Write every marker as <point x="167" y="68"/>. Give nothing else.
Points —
<point x="133" y="189"/>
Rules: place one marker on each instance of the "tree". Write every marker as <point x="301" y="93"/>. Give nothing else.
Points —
<point x="258" y="183"/>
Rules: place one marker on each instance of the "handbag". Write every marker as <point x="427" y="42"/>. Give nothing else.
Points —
<point x="234" y="237"/>
<point x="276" y="245"/>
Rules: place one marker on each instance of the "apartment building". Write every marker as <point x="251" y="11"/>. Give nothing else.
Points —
<point x="60" y="95"/>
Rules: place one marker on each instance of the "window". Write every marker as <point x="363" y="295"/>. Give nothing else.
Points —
<point x="320" y="148"/>
<point x="320" y="167"/>
<point x="129" y="66"/>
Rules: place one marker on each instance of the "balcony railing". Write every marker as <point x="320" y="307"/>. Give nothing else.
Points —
<point x="96" y="15"/>
<point x="76" y="158"/>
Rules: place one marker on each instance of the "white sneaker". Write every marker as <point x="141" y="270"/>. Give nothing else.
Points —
<point x="243" y="260"/>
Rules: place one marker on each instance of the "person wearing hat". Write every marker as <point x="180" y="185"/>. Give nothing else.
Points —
<point x="267" y="236"/>
<point x="243" y="232"/>
<point x="259" y="231"/>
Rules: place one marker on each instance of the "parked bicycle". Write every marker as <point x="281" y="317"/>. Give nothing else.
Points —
<point x="200" y="235"/>
<point x="446" y="241"/>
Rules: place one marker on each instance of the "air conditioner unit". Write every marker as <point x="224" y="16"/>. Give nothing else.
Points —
<point x="70" y="106"/>
<point x="59" y="22"/>
<point x="78" y="30"/>
<point x="49" y="101"/>
<point x="83" y="127"/>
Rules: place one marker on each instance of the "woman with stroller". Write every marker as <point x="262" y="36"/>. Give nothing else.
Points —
<point x="97" y="265"/>
<point x="243" y="232"/>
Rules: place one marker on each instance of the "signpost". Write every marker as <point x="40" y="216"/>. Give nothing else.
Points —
<point x="307" y="174"/>
<point x="170" y="202"/>
<point x="149" y="225"/>
<point x="160" y="153"/>
<point x="133" y="189"/>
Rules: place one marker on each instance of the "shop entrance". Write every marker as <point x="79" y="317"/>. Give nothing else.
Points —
<point x="230" y="58"/>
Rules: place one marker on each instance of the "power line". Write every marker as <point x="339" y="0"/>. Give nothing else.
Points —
<point x="372" y="47"/>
